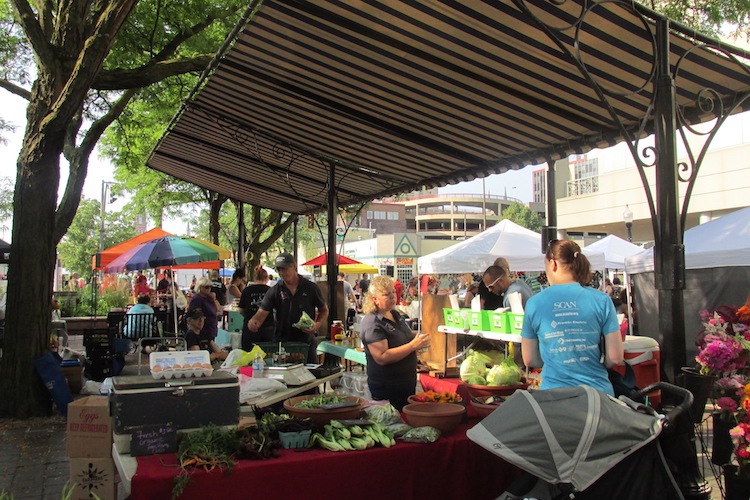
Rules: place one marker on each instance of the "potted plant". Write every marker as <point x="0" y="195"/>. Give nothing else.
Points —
<point x="729" y="391"/>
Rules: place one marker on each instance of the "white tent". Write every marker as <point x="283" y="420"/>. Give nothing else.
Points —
<point x="717" y="262"/>
<point x="522" y="247"/>
<point x="723" y="242"/>
<point x="615" y="251"/>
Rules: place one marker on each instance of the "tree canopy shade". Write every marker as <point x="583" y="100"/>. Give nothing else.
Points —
<point x="397" y="95"/>
<point x="90" y="60"/>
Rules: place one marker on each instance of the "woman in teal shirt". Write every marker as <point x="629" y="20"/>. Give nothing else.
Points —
<point x="564" y="324"/>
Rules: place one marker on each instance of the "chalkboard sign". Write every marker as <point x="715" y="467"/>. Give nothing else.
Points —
<point x="153" y="440"/>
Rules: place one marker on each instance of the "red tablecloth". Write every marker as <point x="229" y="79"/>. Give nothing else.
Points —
<point x="453" y="467"/>
<point x="448" y="385"/>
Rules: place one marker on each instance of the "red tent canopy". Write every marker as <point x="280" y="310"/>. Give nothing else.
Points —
<point x="322" y="260"/>
<point x="101" y="259"/>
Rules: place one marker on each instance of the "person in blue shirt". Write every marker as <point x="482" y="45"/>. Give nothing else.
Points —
<point x="564" y="325"/>
<point x="139" y="326"/>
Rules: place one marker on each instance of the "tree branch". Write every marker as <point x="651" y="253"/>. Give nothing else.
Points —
<point x="39" y="42"/>
<point x="90" y="59"/>
<point x="144" y="76"/>
<point x="79" y="162"/>
<point x="15" y="89"/>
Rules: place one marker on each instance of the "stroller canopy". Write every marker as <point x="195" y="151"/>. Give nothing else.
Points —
<point x="567" y="435"/>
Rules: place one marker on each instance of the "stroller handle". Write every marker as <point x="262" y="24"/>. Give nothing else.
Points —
<point x="687" y="397"/>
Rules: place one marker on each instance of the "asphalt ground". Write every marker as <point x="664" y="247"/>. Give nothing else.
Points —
<point x="34" y="462"/>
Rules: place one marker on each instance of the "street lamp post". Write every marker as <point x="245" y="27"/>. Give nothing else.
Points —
<point x="105" y="188"/>
<point x="627" y="216"/>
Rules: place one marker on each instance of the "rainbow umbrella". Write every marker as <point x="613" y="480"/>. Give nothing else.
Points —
<point x="167" y="251"/>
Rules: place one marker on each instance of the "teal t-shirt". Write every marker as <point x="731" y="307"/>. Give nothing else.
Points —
<point x="569" y="321"/>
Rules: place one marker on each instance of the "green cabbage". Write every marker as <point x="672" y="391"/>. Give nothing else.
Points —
<point x="495" y="356"/>
<point x="506" y="373"/>
<point x="474" y="364"/>
<point x="476" y="380"/>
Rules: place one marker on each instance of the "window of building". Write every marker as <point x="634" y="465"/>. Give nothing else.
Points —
<point x="379" y="214"/>
<point x="586" y="173"/>
<point x="539" y="179"/>
<point x="392" y="215"/>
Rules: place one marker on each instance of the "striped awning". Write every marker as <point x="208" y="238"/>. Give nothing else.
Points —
<point x="400" y="94"/>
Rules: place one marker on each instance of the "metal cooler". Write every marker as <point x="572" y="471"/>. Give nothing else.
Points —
<point x="185" y="403"/>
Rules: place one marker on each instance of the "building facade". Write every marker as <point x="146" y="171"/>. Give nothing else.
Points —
<point x="593" y="191"/>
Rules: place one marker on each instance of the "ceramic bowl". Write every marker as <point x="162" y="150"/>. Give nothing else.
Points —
<point x="443" y="416"/>
<point x="322" y="417"/>
<point x="482" y="408"/>
<point x="411" y="400"/>
<point x="484" y="391"/>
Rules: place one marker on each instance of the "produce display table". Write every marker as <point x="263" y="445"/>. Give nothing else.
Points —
<point x="453" y="467"/>
<point x="342" y="351"/>
<point x="448" y="385"/>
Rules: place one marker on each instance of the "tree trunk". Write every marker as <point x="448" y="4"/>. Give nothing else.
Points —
<point x="30" y="272"/>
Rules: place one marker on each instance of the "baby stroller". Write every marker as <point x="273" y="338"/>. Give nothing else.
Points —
<point x="577" y="442"/>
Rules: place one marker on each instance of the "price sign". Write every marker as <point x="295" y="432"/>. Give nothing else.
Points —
<point x="153" y="440"/>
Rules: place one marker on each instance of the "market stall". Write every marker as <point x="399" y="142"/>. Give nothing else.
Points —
<point x="717" y="262"/>
<point x="452" y="467"/>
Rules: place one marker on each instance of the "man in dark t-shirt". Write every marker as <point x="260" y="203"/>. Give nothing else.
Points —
<point x="289" y="298"/>
<point x="491" y="301"/>
<point x="218" y="287"/>
<point x="364" y="284"/>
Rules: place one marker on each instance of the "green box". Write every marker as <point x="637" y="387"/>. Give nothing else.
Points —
<point x="498" y="322"/>
<point x="515" y="323"/>
<point x="455" y="318"/>
<point x="479" y="320"/>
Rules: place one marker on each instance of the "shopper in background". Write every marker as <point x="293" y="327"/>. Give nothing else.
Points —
<point x="205" y="300"/>
<point x="565" y="323"/>
<point x="237" y="284"/>
<point x="197" y="339"/>
<point x="250" y="301"/>
<point x="390" y="345"/>
<point x="218" y="288"/>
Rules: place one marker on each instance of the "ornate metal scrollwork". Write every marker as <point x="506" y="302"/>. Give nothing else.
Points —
<point x="706" y="102"/>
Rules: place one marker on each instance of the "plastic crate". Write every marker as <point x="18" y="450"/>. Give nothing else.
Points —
<point x="456" y="318"/>
<point x="270" y="348"/>
<point x="479" y="320"/>
<point x="515" y="323"/>
<point x="498" y="322"/>
<point x="298" y="439"/>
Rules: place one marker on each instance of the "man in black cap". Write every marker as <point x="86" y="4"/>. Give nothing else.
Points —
<point x="290" y="297"/>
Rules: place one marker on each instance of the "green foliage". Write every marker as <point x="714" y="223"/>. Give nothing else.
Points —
<point x="523" y="216"/>
<point x="82" y="239"/>
<point x="6" y="202"/>
<point x="99" y="303"/>
<point x="720" y="18"/>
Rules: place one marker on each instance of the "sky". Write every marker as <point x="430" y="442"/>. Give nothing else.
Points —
<point x="516" y="184"/>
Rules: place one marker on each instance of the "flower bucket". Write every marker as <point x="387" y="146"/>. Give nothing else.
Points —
<point x="736" y="487"/>
<point x="700" y="386"/>
<point x="722" y="445"/>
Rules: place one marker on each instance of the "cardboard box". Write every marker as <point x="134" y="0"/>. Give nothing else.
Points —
<point x="93" y="476"/>
<point x="74" y="376"/>
<point x="89" y="428"/>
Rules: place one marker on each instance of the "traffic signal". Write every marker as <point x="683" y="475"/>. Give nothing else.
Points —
<point x="310" y="221"/>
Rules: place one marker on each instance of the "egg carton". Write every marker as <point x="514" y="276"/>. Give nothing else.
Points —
<point x="180" y="364"/>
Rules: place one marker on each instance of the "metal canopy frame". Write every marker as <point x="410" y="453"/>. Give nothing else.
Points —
<point x="330" y="103"/>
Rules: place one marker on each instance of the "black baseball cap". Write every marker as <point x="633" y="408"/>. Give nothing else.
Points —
<point x="195" y="313"/>
<point x="284" y="260"/>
